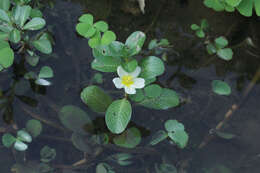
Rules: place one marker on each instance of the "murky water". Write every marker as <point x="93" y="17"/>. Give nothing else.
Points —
<point x="189" y="71"/>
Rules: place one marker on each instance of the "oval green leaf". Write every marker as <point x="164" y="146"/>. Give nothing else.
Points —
<point x="151" y="67"/>
<point x="220" y="87"/>
<point x="34" y="127"/>
<point x="96" y="98"/>
<point x="74" y="118"/>
<point x="35" y="24"/>
<point x="129" y="139"/>
<point x="108" y="37"/>
<point x="118" y="115"/>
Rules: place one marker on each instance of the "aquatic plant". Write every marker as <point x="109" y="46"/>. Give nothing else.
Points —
<point x="200" y="30"/>
<point x="245" y="7"/>
<point x="135" y="76"/>
<point x="24" y="136"/>
<point x="17" y="21"/>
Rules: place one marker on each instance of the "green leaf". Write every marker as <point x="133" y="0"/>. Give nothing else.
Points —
<point x="225" y="54"/>
<point x="165" y="168"/>
<point x="47" y="154"/>
<point x="130" y="66"/>
<point x="118" y="115"/>
<point x="166" y="100"/>
<point x="221" y="42"/>
<point x="108" y="37"/>
<point x="35" y="24"/>
<point x="74" y="118"/>
<point x="153" y="91"/>
<point x="4" y="16"/>
<point x="246" y="7"/>
<point x="8" y="140"/>
<point x="153" y="44"/>
<point x="21" y="14"/>
<point x="95" y="40"/>
<point x="200" y="33"/>
<point x="32" y="60"/>
<point x="139" y="96"/>
<point x="6" y="28"/>
<point x="34" y="127"/>
<point x="79" y="141"/>
<point x="101" y="26"/>
<point x="257" y="7"/>
<point x="45" y="72"/>
<point x="86" y="18"/>
<point x="194" y="27"/>
<point x="159" y="136"/>
<point x="173" y="126"/>
<point x="211" y="48"/>
<point x="233" y="3"/>
<point x="106" y="64"/>
<point x="86" y="30"/>
<point x="98" y="78"/>
<point x="135" y="42"/>
<point x="204" y="24"/>
<point x="3" y="36"/>
<point x="36" y="13"/>
<point x="151" y="67"/>
<point x="15" y="36"/>
<point x="215" y="4"/>
<point x="20" y="146"/>
<point x="122" y="159"/>
<point x="220" y="87"/>
<point x="43" y="45"/>
<point x="96" y="98"/>
<point x="179" y="137"/>
<point x="5" y="4"/>
<point x="104" y="168"/>
<point x="128" y="139"/>
<point x="24" y="136"/>
<point x="6" y="54"/>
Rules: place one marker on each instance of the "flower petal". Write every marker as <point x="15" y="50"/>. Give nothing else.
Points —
<point x="118" y="83"/>
<point x="121" y="72"/>
<point x="139" y="83"/>
<point x="130" y="90"/>
<point x="136" y="72"/>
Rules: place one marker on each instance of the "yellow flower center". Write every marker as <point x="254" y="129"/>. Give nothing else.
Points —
<point x="127" y="80"/>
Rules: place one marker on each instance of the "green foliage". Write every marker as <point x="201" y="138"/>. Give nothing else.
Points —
<point x="245" y="7"/>
<point x="47" y="154"/>
<point x="17" y="20"/>
<point x="8" y="140"/>
<point x="104" y="168"/>
<point x="219" y="47"/>
<point x="122" y="159"/>
<point x="129" y="139"/>
<point x="98" y="78"/>
<point x="74" y="118"/>
<point x="151" y="67"/>
<point x="165" y="168"/>
<point x="177" y="133"/>
<point x="167" y="99"/>
<point x="96" y="98"/>
<point x="158" y="137"/>
<point x="45" y="72"/>
<point x="34" y="127"/>
<point x="6" y="55"/>
<point x="78" y="140"/>
<point x="200" y="30"/>
<point x="110" y="56"/>
<point x="220" y="87"/>
<point x="88" y="29"/>
<point x="118" y="115"/>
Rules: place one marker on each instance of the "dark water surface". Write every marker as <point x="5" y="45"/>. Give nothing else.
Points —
<point x="189" y="71"/>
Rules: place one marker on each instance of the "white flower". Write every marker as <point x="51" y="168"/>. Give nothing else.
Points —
<point x="128" y="81"/>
